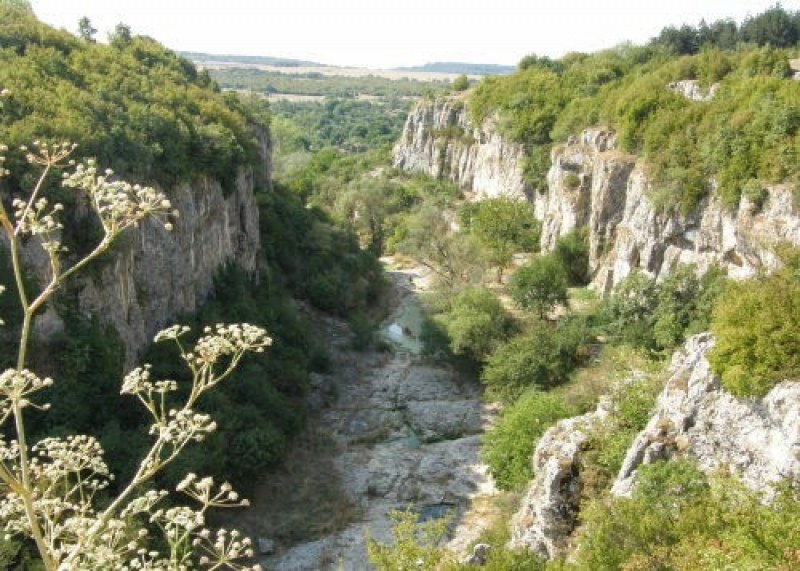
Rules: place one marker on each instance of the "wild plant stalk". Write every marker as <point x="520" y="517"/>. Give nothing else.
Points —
<point x="51" y="488"/>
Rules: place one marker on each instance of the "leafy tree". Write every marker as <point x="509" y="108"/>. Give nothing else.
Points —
<point x="572" y="252"/>
<point x="85" y="29"/>
<point x="475" y="323"/>
<point x="461" y="83"/>
<point x="657" y="316"/>
<point x="775" y="27"/>
<point x="542" y="357"/>
<point x="429" y="238"/>
<point x="540" y="285"/>
<point x="503" y="226"/>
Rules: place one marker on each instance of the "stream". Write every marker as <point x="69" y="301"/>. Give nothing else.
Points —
<point x="402" y="432"/>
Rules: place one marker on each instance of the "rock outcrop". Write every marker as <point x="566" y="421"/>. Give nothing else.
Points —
<point x="439" y="140"/>
<point x="153" y="275"/>
<point x="591" y="184"/>
<point x="757" y="440"/>
<point x="692" y="89"/>
<point x="549" y="511"/>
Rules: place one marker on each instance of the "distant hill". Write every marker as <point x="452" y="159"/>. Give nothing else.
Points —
<point x="459" y="67"/>
<point x="199" y="57"/>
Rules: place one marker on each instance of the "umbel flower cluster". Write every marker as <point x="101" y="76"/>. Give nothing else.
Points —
<point x="51" y="491"/>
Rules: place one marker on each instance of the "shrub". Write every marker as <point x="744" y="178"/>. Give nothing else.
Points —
<point x="757" y="325"/>
<point x="508" y="447"/>
<point x="475" y="323"/>
<point x="572" y="180"/>
<point x="540" y="285"/>
<point x="680" y="519"/>
<point x="461" y="83"/>
<point x="659" y="316"/>
<point x="543" y="357"/>
<point x="632" y="402"/>
<point x="414" y="545"/>
<point x="572" y="252"/>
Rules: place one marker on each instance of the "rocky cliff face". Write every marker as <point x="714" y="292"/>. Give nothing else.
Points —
<point x="439" y="140"/>
<point x="549" y="511"/>
<point x="592" y="185"/>
<point x="152" y="275"/>
<point x="757" y="440"/>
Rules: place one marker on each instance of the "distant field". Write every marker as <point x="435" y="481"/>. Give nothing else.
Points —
<point x="334" y="71"/>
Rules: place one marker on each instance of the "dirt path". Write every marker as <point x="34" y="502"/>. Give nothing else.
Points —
<point x="394" y="431"/>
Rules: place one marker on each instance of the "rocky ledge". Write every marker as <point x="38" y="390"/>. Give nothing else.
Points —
<point x="758" y="440"/>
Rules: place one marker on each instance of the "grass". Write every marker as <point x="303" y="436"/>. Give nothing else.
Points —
<point x="612" y="364"/>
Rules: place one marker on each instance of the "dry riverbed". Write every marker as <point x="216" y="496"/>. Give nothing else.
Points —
<point x="393" y="430"/>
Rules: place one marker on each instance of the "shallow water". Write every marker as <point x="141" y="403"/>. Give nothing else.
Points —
<point x="403" y="329"/>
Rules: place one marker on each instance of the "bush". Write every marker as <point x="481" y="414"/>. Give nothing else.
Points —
<point x="461" y="83"/>
<point x="679" y="519"/>
<point x="757" y="326"/>
<point x="632" y="401"/>
<point x="659" y="316"/>
<point x="414" y="545"/>
<point x="572" y="252"/>
<point x="543" y="357"/>
<point x="508" y="447"/>
<point x="540" y="285"/>
<point x="476" y="323"/>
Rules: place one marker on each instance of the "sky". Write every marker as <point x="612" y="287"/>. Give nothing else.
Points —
<point x="393" y="33"/>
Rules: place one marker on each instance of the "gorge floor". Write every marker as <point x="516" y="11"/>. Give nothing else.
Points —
<point x="393" y="430"/>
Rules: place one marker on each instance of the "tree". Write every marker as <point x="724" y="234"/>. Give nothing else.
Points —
<point x="54" y="490"/>
<point x="454" y="257"/>
<point x="476" y="323"/>
<point x="503" y="226"/>
<point x="85" y="29"/>
<point x="540" y="285"/>
<point x="461" y="83"/>
<point x="121" y="37"/>
<point x="572" y="252"/>
<point x="542" y="357"/>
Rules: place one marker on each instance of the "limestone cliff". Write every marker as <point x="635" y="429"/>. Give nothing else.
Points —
<point x="591" y="184"/>
<point x="439" y="140"/>
<point x="152" y="276"/>
<point x="548" y="512"/>
<point x="757" y="440"/>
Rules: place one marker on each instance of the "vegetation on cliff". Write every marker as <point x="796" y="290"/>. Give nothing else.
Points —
<point x="152" y="115"/>
<point x="746" y="136"/>
<point x="132" y="105"/>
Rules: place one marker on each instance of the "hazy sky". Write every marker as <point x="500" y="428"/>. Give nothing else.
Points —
<point x="390" y="33"/>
